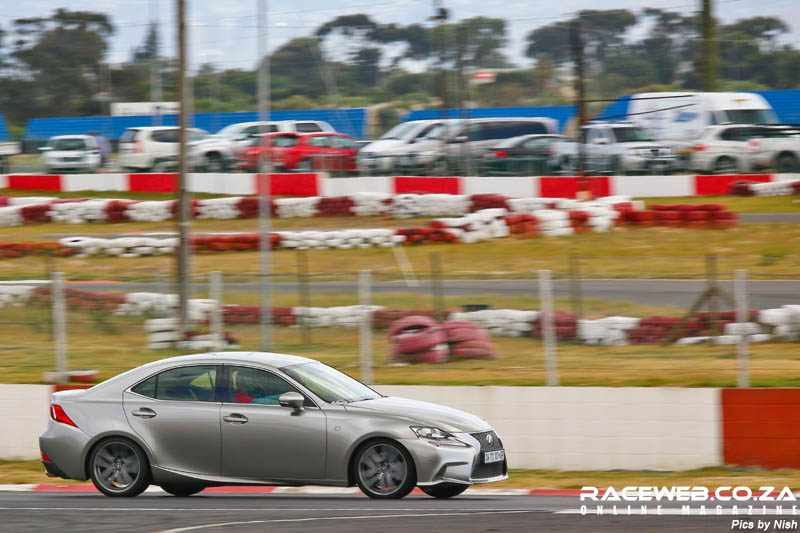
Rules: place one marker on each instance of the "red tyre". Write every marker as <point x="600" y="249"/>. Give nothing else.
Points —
<point x="418" y="340"/>
<point x="411" y="322"/>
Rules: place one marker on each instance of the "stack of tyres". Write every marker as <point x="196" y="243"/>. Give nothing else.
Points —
<point x="418" y="339"/>
<point x="467" y="340"/>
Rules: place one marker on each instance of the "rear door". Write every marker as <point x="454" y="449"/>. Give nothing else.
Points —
<point x="261" y="439"/>
<point x="177" y="414"/>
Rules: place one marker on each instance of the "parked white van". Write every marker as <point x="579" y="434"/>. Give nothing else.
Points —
<point x="681" y="127"/>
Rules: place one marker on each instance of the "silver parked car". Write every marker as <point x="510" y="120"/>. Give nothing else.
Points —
<point x="194" y="421"/>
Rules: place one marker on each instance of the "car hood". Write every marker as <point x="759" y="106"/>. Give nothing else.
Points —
<point x="382" y="145"/>
<point x="423" y="414"/>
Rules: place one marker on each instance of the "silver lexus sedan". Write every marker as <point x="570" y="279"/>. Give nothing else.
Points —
<point x="195" y="421"/>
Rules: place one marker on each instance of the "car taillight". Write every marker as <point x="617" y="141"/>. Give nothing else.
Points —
<point x="753" y="144"/>
<point x="57" y="413"/>
<point x="501" y="153"/>
<point x="699" y="147"/>
<point x="138" y="147"/>
<point x="45" y="458"/>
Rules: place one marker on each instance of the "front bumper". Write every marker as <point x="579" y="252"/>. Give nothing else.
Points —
<point x="444" y="463"/>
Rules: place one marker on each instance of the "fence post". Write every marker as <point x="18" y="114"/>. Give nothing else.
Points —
<point x="548" y="337"/>
<point x="303" y="293"/>
<point x="215" y="293"/>
<point x="59" y="325"/>
<point x="365" y="331"/>
<point x="740" y="295"/>
<point x="436" y="286"/>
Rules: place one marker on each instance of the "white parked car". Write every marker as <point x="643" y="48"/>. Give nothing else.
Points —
<point x="71" y="152"/>
<point x="734" y="148"/>
<point x="381" y="155"/>
<point x="154" y="147"/>
<point x="221" y="151"/>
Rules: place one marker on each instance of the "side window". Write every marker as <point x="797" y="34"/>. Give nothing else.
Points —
<point x="187" y="384"/>
<point x="165" y="136"/>
<point x="128" y="136"/>
<point x="528" y="128"/>
<point x="537" y="144"/>
<point x="477" y="132"/>
<point x="147" y="387"/>
<point x="250" y="385"/>
<point x="319" y="141"/>
<point x="733" y="134"/>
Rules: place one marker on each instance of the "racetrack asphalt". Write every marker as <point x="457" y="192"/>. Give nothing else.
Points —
<point x="150" y="512"/>
<point x="762" y="294"/>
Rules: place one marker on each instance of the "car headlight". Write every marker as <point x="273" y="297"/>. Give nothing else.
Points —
<point x="436" y="435"/>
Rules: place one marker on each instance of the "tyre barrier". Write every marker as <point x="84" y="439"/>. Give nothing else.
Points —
<point x="418" y="339"/>
<point x="775" y="188"/>
<point x="467" y="340"/>
<point x="782" y="323"/>
<point x="164" y="333"/>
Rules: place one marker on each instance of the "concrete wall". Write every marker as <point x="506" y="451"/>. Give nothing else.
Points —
<point x="592" y="428"/>
<point x="569" y="428"/>
<point x="24" y="410"/>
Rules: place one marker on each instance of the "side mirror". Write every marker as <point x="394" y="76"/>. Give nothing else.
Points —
<point x="240" y="137"/>
<point x="601" y="140"/>
<point x="45" y="148"/>
<point x="461" y="139"/>
<point x="295" y="400"/>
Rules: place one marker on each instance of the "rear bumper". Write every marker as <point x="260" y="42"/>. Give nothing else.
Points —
<point x="65" y="446"/>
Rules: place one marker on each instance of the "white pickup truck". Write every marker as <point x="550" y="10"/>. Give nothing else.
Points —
<point x="614" y="147"/>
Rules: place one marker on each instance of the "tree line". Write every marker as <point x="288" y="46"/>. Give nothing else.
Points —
<point x="55" y="65"/>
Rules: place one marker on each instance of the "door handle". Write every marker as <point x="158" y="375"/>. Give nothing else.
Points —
<point x="144" y="412"/>
<point x="235" y="418"/>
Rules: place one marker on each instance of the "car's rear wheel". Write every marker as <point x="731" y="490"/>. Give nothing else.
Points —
<point x="384" y="470"/>
<point x="445" y="490"/>
<point x="119" y="468"/>
<point x="786" y="163"/>
<point x="215" y="163"/>
<point x="181" y="490"/>
<point x="726" y="165"/>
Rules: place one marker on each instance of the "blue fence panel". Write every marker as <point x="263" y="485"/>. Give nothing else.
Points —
<point x="786" y="104"/>
<point x="3" y="129"/>
<point x="561" y="113"/>
<point x="349" y="121"/>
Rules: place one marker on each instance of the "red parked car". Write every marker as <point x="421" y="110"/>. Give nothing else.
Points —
<point x="309" y="152"/>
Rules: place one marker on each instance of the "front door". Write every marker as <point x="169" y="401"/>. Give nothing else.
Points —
<point x="176" y="413"/>
<point x="261" y="439"/>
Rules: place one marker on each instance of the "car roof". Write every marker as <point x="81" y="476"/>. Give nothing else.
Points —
<point x="57" y="137"/>
<point x="267" y="358"/>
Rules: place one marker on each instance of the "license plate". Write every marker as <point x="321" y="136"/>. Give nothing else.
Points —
<point x="493" y="457"/>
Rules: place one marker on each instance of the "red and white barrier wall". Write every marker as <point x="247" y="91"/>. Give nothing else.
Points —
<point x="569" y="428"/>
<point x="320" y="184"/>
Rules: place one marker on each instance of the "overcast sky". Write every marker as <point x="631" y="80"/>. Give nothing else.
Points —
<point x="224" y="32"/>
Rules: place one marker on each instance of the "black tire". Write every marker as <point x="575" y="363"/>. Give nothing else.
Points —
<point x="215" y="163"/>
<point x="786" y="163"/>
<point x="444" y="490"/>
<point x="726" y="165"/>
<point x="180" y="490"/>
<point x="396" y="474"/>
<point x="119" y="468"/>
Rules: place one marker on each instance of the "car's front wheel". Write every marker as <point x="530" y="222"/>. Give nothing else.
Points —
<point x="444" y="490"/>
<point x="181" y="490"/>
<point x="119" y="468"/>
<point x="384" y="470"/>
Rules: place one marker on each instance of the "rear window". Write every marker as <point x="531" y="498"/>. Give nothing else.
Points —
<point x="67" y="144"/>
<point x="307" y="127"/>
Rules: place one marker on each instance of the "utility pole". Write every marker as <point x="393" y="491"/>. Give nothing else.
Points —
<point x="708" y="53"/>
<point x="182" y="270"/>
<point x="264" y="203"/>
<point x="155" y="72"/>
<point x="439" y="16"/>
<point x="577" y="58"/>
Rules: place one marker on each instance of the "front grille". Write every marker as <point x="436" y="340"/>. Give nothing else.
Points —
<point x="482" y="470"/>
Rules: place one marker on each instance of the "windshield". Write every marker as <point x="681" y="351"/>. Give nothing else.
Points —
<point x="750" y="116"/>
<point x="441" y="131"/>
<point x="329" y="384"/>
<point x="67" y="144"/>
<point x="398" y="131"/>
<point x="627" y="135"/>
